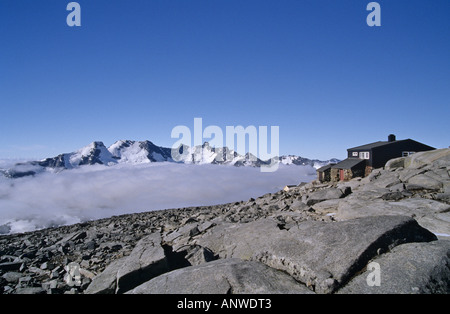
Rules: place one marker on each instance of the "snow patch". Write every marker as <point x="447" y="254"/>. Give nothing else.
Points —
<point x="133" y="154"/>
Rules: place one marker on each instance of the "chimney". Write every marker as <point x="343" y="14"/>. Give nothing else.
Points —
<point x="391" y="138"/>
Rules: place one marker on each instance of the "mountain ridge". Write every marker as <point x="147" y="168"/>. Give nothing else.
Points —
<point x="141" y="152"/>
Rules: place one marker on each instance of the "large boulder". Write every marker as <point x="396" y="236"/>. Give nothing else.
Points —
<point x="437" y="157"/>
<point x="321" y="255"/>
<point x="431" y="214"/>
<point x="326" y="207"/>
<point x="106" y="281"/>
<point x="395" y="163"/>
<point x="224" y="276"/>
<point x="385" y="180"/>
<point x="407" y="268"/>
<point x="424" y="182"/>
<point x="323" y="195"/>
<point x="147" y="260"/>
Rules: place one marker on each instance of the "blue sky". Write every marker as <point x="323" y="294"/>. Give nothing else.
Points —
<point x="136" y="69"/>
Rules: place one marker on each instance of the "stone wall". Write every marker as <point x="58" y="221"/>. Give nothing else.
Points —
<point x="367" y="170"/>
<point x="334" y="175"/>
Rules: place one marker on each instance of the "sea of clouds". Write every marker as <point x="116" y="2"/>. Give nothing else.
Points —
<point x="94" y="192"/>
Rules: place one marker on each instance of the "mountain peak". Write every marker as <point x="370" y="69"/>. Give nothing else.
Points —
<point x="94" y="153"/>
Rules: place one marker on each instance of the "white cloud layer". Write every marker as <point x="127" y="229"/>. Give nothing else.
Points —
<point x="95" y="192"/>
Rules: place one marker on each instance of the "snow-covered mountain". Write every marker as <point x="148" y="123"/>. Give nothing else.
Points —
<point x="136" y="152"/>
<point x="301" y="161"/>
<point x="139" y="152"/>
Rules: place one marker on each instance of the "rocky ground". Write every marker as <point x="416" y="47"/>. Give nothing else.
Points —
<point x="313" y="238"/>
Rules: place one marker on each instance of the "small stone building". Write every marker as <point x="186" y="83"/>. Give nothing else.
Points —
<point x="348" y="169"/>
<point x="324" y="173"/>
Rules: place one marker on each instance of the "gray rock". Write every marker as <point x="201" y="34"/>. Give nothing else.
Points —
<point x="287" y="220"/>
<point x="77" y="235"/>
<point x="446" y="188"/>
<point x="407" y="174"/>
<point x="223" y="277"/>
<point x="321" y="255"/>
<point x="443" y="197"/>
<point x="374" y="174"/>
<point x="12" y="277"/>
<point x="205" y="226"/>
<point x="386" y="179"/>
<point x="196" y="255"/>
<point x="105" y="282"/>
<point x="408" y="268"/>
<point x="395" y="163"/>
<point x="353" y="184"/>
<point x="30" y="290"/>
<point x="146" y="261"/>
<point x="400" y="187"/>
<point x="368" y="193"/>
<point x="297" y="204"/>
<point x="24" y="282"/>
<point x="323" y="195"/>
<point x="186" y="230"/>
<point x="425" y="182"/>
<point x="393" y="196"/>
<point x="430" y="214"/>
<point x="50" y="286"/>
<point x="422" y="159"/>
<point x="440" y="174"/>
<point x="326" y="207"/>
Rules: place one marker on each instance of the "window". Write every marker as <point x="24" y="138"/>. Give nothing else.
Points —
<point x="355" y="154"/>
<point x="364" y="155"/>
<point x="406" y="154"/>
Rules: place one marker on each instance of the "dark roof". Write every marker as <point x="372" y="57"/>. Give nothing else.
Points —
<point x="373" y="145"/>
<point x="324" y="168"/>
<point x="348" y="163"/>
<point x="383" y="143"/>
